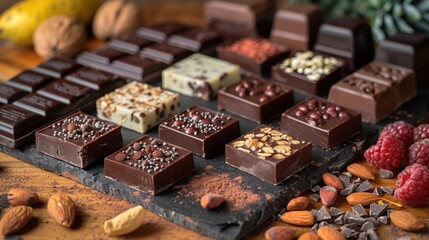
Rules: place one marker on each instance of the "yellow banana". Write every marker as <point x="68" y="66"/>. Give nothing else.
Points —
<point x="18" y="23"/>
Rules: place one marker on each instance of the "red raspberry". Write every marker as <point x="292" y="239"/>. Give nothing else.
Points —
<point x="401" y="130"/>
<point x="421" y="132"/>
<point x="387" y="153"/>
<point x="412" y="186"/>
<point x="419" y="153"/>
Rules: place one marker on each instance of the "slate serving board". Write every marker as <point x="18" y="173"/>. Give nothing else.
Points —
<point x="183" y="208"/>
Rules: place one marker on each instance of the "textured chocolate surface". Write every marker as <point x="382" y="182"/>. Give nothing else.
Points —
<point x="41" y="105"/>
<point x="79" y="139"/>
<point x="164" y="53"/>
<point x="255" y="99"/>
<point x="64" y="91"/>
<point x="16" y="122"/>
<point x="9" y="94"/>
<point x="196" y="40"/>
<point x="203" y="131"/>
<point x="149" y="165"/>
<point x="56" y="67"/>
<point x="268" y="154"/>
<point x="91" y="78"/>
<point x="28" y="81"/>
<point x="159" y="33"/>
<point x="323" y="123"/>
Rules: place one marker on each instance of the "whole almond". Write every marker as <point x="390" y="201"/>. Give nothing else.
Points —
<point x="299" y="203"/>
<point x="279" y="233"/>
<point x="332" y="180"/>
<point x="22" y="196"/>
<point x="15" y="219"/>
<point x="62" y="210"/>
<point x="364" y="198"/>
<point x="406" y="221"/>
<point x="361" y="171"/>
<point x="328" y="195"/>
<point x="126" y="222"/>
<point x="299" y="218"/>
<point x="210" y="201"/>
<point x="328" y="233"/>
<point x="308" y="236"/>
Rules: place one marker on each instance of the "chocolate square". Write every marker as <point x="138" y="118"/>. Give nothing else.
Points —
<point x="64" y="91"/>
<point x="196" y="40"/>
<point x="104" y="55"/>
<point x="128" y="43"/>
<point x="56" y="67"/>
<point x="9" y="94"/>
<point x="164" y="53"/>
<point x="203" y="131"/>
<point x="268" y="154"/>
<point x="16" y="122"/>
<point x="159" y="33"/>
<point x="149" y="165"/>
<point x="92" y="78"/>
<point x="138" y="68"/>
<point x="323" y="123"/>
<point x="38" y="104"/>
<point x="79" y="139"/>
<point x="255" y="99"/>
<point x="29" y="81"/>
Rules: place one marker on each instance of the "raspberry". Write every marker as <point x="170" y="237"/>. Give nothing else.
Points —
<point x="401" y="130"/>
<point x="421" y="132"/>
<point x="419" y="153"/>
<point x="387" y="153"/>
<point x="412" y="186"/>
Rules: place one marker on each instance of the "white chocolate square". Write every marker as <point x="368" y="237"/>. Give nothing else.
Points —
<point x="200" y="76"/>
<point x="138" y="106"/>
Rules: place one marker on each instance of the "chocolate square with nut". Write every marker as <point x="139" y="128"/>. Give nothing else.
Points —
<point x="79" y="139"/>
<point x="323" y="123"/>
<point x="149" y="165"/>
<point x="203" y="131"/>
<point x="268" y="154"/>
<point x="255" y="99"/>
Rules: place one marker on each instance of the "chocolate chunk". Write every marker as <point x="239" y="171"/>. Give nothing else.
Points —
<point x="315" y="227"/>
<point x="383" y="219"/>
<point x="315" y="189"/>
<point x="314" y="211"/>
<point x="366" y="226"/>
<point x="357" y="180"/>
<point x="352" y="226"/>
<point x="336" y="212"/>
<point x="315" y="197"/>
<point x="323" y="223"/>
<point x="351" y="217"/>
<point x="376" y="210"/>
<point x="346" y="232"/>
<point x="386" y="174"/>
<point x="387" y="190"/>
<point x="339" y="220"/>
<point x="364" y="186"/>
<point x="371" y="234"/>
<point x="348" y="174"/>
<point x="359" y="210"/>
<point x="348" y="190"/>
<point x="378" y="191"/>
<point x="323" y="215"/>
<point x="362" y="236"/>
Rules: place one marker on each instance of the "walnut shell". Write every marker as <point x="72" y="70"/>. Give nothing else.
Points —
<point x="59" y="35"/>
<point x="115" y="18"/>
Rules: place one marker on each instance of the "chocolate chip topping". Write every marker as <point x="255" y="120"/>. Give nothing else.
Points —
<point x="317" y="112"/>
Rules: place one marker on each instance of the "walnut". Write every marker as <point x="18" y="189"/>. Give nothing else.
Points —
<point x="59" y="35"/>
<point x="115" y="18"/>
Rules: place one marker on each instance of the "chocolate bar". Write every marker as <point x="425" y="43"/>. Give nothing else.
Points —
<point x="255" y="55"/>
<point x="138" y="106"/>
<point x="79" y="139"/>
<point x="349" y="39"/>
<point x="255" y="99"/>
<point x="149" y="165"/>
<point x="39" y="104"/>
<point x="268" y="154"/>
<point x="200" y="76"/>
<point x="409" y="51"/>
<point x="323" y="123"/>
<point x="196" y="40"/>
<point x="28" y="81"/>
<point x="296" y="26"/>
<point x="56" y="67"/>
<point x="10" y="94"/>
<point x="164" y="53"/>
<point x="308" y="72"/>
<point x="203" y="131"/>
<point x="159" y="33"/>
<point x="129" y="43"/>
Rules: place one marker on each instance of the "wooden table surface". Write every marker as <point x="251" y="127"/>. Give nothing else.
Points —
<point x="93" y="207"/>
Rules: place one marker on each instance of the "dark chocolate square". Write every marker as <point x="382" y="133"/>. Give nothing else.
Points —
<point x="56" y="67"/>
<point x="64" y="91"/>
<point x="196" y="40"/>
<point x="164" y="53"/>
<point x="137" y="67"/>
<point x="203" y="131"/>
<point x="92" y="78"/>
<point x="128" y="43"/>
<point x="79" y="139"/>
<point x="159" y="33"/>
<point x="16" y="122"/>
<point x="149" y="165"/>
<point x="29" y="81"/>
<point x="9" y="94"/>
<point x="38" y="104"/>
<point x="323" y="123"/>
<point x="104" y="55"/>
<point x="268" y="154"/>
<point x="255" y="99"/>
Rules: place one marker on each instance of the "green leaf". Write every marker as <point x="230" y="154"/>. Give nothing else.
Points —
<point x="411" y="12"/>
<point x="397" y="10"/>
<point x="378" y="34"/>
<point x="423" y="5"/>
<point x="389" y="25"/>
<point x="403" y="26"/>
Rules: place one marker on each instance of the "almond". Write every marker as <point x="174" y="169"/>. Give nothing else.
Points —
<point x="15" y="219"/>
<point x="299" y="203"/>
<point x="364" y="198"/>
<point x="328" y="233"/>
<point x="22" y="196"/>
<point x="328" y="195"/>
<point x="62" y="210"/>
<point x="126" y="222"/>
<point x="332" y="180"/>
<point x="406" y="221"/>
<point x="279" y="233"/>
<point x="361" y="171"/>
<point x="210" y="201"/>
<point x="308" y="236"/>
<point x="299" y="218"/>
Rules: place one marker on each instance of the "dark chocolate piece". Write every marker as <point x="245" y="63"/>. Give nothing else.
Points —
<point x="315" y="197"/>
<point x="29" y="81"/>
<point x="231" y="31"/>
<point x="364" y="186"/>
<point x="335" y="212"/>
<point x="64" y="91"/>
<point x="323" y="215"/>
<point x="138" y="68"/>
<point x="296" y="26"/>
<point x="39" y="104"/>
<point x="387" y="190"/>
<point x="56" y="67"/>
<point x="351" y="217"/>
<point x="15" y="122"/>
<point x="268" y="154"/>
<point x="386" y="174"/>
<point x="89" y="77"/>
<point x="255" y="55"/>
<point x="349" y="39"/>
<point x="383" y="219"/>
<point x="165" y="53"/>
<point x="149" y="165"/>
<point x="378" y="191"/>
<point x="376" y="210"/>
<point x="9" y="94"/>
<point x="255" y="99"/>
<point x="359" y="210"/>
<point x="159" y="33"/>
<point x="104" y="55"/>
<point x="79" y="139"/>
<point x="320" y="122"/>
<point x="128" y="43"/>
<point x="196" y="40"/>
<point x="339" y="220"/>
<point x="308" y="72"/>
<point x="203" y="131"/>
